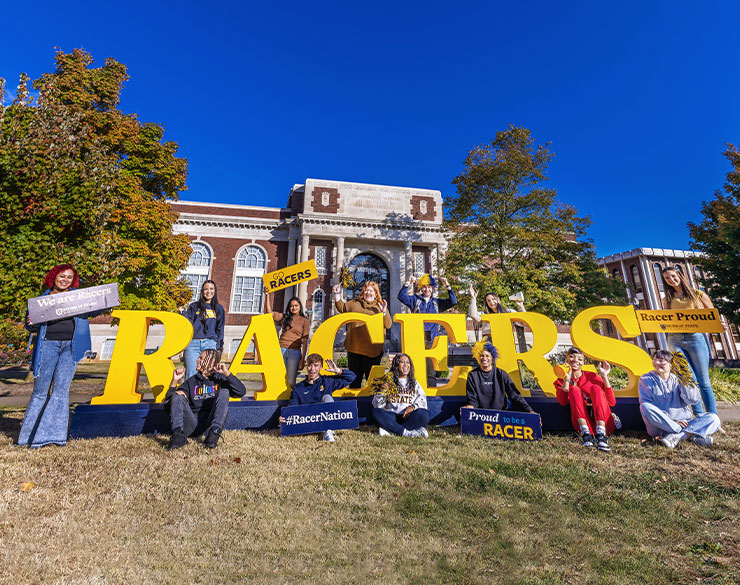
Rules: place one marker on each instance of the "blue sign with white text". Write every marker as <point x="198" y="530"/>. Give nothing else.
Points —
<point x="501" y="424"/>
<point x="319" y="417"/>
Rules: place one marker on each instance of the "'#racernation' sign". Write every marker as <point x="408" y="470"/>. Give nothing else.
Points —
<point x="501" y="424"/>
<point x="74" y="302"/>
<point x="319" y="417"/>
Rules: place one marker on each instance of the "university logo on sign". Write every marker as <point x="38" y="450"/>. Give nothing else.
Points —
<point x="501" y="424"/>
<point x="680" y="321"/>
<point x="74" y="302"/>
<point x="319" y="417"/>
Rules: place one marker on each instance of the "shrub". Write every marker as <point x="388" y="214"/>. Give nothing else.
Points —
<point x="13" y="344"/>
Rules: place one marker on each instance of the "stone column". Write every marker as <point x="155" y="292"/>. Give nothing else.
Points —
<point x="408" y="265"/>
<point x="303" y="287"/>
<point x="339" y="259"/>
<point x="290" y="291"/>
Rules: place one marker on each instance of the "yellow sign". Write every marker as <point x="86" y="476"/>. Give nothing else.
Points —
<point x="680" y="321"/>
<point x="290" y="276"/>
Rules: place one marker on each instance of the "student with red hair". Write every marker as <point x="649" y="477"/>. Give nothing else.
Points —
<point x="58" y="346"/>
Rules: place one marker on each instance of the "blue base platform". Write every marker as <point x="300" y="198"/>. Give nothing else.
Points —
<point x="125" y="420"/>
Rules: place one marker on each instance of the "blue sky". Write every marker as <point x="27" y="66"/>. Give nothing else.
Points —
<point x="637" y="99"/>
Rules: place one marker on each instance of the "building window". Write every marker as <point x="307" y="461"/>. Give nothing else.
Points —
<point x="199" y="266"/>
<point x="106" y="352"/>
<point x="635" y="272"/>
<point x="697" y="278"/>
<point x="364" y="267"/>
<point x="419" y="264"/>
<point x="318" y="305"/>
<point x="248" y="285"/>
<point x="615" y="273"/>
<point x="657" y="269"/>
<point x="320" y="257"/>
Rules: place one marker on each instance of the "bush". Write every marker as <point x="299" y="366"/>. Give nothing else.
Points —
<point x="725" y="383"/>
<point x="13" y="344"/>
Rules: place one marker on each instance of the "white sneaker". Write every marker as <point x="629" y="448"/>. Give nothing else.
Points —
<point x="671" y="440"/>
<point x="703" y="441"/>
<point x="383" y="433"/>
<point x="329" y="436"/>
<point x="423" y="433"/>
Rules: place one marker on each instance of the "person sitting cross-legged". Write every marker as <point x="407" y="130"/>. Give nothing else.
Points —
<point x="666" y="400"/>
<point x="399" y="402"/>
<point x="317" y="388"/>
<point x="201" y="403"/>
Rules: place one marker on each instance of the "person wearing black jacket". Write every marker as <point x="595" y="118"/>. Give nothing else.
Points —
<point x="202" y="401"/>
<point x="488" y="387"/>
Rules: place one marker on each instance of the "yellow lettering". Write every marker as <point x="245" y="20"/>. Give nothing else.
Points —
<point x="528" y="434"/>
<point x="487" y="429"/>
<point x="508" y="432"/>
<point x="518" y="433"/>
<point x="270" y="360"/>
<point x="498" y="432"/>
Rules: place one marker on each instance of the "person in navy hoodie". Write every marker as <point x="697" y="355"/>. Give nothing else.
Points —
<point x="317" y="388"/>
<point x="426" y="302"/>
<point x="208" y="318"/>
<point x="202" y="401"/>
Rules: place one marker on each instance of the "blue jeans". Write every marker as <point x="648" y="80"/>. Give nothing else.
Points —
<point x="657" y="422"/>
<point x="192" y="351"/>
<point x="292" y="359"/>
<point x="694" y="347"/>
<point x="47" y="415"/>
<point x="395" y="423"/>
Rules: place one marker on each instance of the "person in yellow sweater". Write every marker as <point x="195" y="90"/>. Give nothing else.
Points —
<point x="362" y="354"/>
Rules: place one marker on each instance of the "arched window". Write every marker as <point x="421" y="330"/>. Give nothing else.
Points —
<point x="366" y="267"/>
<point x="615" y="273"/>
<point x="318" y="305"/>
<point x="250" y="266"/>
<point x="635" y="273"/>
<point x="199" y="267"/>
<point x="658" y="269"/>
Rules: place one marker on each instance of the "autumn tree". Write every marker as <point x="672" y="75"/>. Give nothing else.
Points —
<point x="718" y="238"/>
<point x="85" y="183"/>
<point x="510" y="234"/>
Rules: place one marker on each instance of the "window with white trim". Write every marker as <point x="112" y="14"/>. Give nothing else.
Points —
<point x="318" y="305"/>
<point x="320" y="257"/>
<point x="419" y="264"/>
<point x="199" y="266"/>
<point x="106" y="352"/>
<point x="248" y="286"/>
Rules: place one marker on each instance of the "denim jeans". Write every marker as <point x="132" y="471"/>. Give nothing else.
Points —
<point x="192" y="351"/>
<point x="657" y="422"/>
<point x="212" y="414"/>
<point x="694" y="347"/>
<point x="395" y="423"/>
<point x="47" y="415"/>
<point x="292" y="359"/>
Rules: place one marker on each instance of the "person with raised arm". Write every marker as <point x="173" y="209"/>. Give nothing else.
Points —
<point x="294" y="329"/>
<point x="590" y="397"/>
<point x="665" y="404"/>
<point x="362" y="353"/>
<point x="491" y="304"/>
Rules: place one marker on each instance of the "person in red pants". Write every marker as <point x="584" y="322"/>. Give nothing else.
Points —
<point x="590" y="397"/>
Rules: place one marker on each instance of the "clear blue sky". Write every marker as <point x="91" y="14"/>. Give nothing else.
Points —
<point x="637" y="98"/>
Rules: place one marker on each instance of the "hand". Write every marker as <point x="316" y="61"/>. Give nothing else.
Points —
<point x="520" y="305"/>
<point x="281" y="419"/>
<point x="604" y="368"/>
<point x="28" y="319"/>
<point x="408" y="411"/>
<point x="267" y="291"/>
<point x="444" y="281"/>
<point x="473" y="293"/>
<point x="332" y="367"/>
<point x="383" y="306"/>
<point x="411" y="281"/>
<point x="466" y="406"/>
<point x="222" y="369"/>
<point x="178" y="375"/>
<point x="683" y="423"/>
<point x="336" y="289"/>
<point x="181" y="393"/>
<point x="301" y="364"/>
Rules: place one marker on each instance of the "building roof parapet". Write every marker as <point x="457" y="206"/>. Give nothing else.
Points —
<point x="655" y="252"/>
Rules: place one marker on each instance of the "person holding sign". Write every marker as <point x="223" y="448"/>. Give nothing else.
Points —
<point x="293" y="334"/>
<point x="488" y="387"/>
<point x="58" y="346"/>
<point x="399" y="402"/>
<point x="202" y="401"/>
<point x="665" y="405"/>
<point x="208" y="318"/>
<point x="492" y="304"/>
<point x="362" y="354"/>
<point x="680" y="295"/>
<point x="590" y="397"/>
<point x="426" y="302"/>
<point x="317" y="388"/>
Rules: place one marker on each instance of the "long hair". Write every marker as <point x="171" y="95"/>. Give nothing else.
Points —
<point x="54" y="272"/>
<point x="374" y="285"/>
<point x="397" y="375"/>
<point x="210" y="360"/>
<point x="202" y="303"/>
<point x="499" y="306"/>
<point x="287" y="321"/>
<point x="689" y="292"/>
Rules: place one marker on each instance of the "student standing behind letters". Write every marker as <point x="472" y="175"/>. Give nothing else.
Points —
<point x="293" y="334"/>
<point x="492" y="304"/>
<point x="208" y="318"/>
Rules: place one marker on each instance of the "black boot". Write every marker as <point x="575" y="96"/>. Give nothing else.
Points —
<point x="212" y="437"/>
<point x="177" y="440"/>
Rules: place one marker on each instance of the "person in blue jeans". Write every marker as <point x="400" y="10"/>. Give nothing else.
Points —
<point x="58" y="346"/>
<point x="400" y="408"/>
<point x="208" y="318"/>
<point x="679" y="295"/>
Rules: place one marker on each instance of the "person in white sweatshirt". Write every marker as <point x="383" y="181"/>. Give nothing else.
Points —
<point x="400" y="407"/>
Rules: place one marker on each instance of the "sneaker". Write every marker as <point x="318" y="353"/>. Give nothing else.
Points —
<point x="423" y="433"/>
<point x="212" y="437"/>
<point x="671" y="440"/>
<point x="177" y="440"/>
<point x="329" y="436"/>
<point x="702" y="441"/>
<point x="383" y="433"/>
<point x="588" y="439"/>
<point x="617" y="421"/>
<point x="602" y="444"/>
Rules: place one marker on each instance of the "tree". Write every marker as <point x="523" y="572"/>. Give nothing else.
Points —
<point x="718" y="237"/>
<point x="510" y="234"/>
<point x="82" y="182"/>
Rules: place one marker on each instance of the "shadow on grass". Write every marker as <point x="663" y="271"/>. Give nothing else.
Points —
<point x="10" y="423"/>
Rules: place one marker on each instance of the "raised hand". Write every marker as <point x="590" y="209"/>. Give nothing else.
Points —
<point x="383" y="306"/>
<point x="473" y="292"/>
<point x="177" y="376"/>
<point x="332" y="367"/>
<point x="337" y="288"/>
<point x="444" y="281"/>
<point x="222" y="369"/>
<point x="604" y="368"/>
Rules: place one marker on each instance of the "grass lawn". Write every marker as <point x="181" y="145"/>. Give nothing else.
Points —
<point x="367" y="509"/>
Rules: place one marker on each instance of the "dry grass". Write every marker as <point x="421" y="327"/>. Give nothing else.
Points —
<point x="451" y="509"/>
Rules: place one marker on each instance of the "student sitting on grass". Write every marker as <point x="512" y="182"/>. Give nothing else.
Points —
<point x="399" y="402"/>
<point x="202" y="402"/>
<point x="317" y="388"/>
<point x="666" y="400"/>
